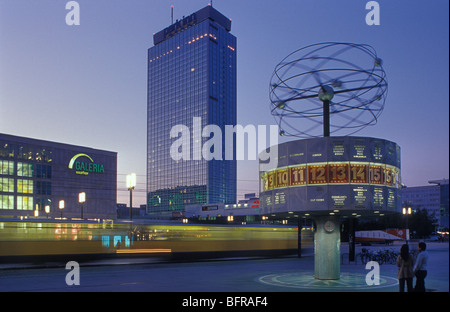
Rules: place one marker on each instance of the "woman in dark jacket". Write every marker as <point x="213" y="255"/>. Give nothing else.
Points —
<point x="405" y="263"/>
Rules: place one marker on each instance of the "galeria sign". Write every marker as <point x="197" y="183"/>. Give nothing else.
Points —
<point x="85" y="167"/>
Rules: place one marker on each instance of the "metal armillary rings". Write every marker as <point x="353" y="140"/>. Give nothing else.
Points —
<point x="341" y="86"/>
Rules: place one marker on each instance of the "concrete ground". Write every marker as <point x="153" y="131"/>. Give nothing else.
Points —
<point x="287" y="274"/>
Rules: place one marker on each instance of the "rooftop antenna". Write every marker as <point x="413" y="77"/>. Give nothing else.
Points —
<point x="172" y="12"/>
<point x="210" y="3"/>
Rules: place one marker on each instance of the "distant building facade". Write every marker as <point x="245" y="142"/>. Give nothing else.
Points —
<point x="433" y="198"/>
<point x="35" y="174"/>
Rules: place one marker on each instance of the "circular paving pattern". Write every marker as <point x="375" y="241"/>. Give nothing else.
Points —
<point x="306" y="280"/>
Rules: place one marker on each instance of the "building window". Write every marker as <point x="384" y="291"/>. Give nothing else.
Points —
<point x="6" y="202"/>
<point x="24" y="203"/>
<point x="43" y="155"/>
<point x="43" y="188"/>
<point x="25" y="152"/>
<point x="24" y="186"/>
<point x="6" y="150"/>
<point x="43" y="172"/>
<point x="7" y="185"/>
<point x="6" y="167"/>
<point x="24" y="170"/>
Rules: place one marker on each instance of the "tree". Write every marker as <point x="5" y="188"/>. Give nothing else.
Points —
<point x="421" y="223"/>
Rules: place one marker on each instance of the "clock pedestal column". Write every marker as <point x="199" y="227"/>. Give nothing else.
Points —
<point x="327" y="241"/>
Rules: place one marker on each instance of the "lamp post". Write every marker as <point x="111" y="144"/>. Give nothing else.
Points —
<point x="47" y="210"/>
<point x="131" y="184"/>
<point x="61" y="206"/>
<point x="326" y="94"/>
<point x="82" y="200"/>
<point x="406" y="212"/>
<point x="36" y="211"/>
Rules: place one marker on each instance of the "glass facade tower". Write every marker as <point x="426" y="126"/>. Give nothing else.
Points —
<point x="191" y="82"/>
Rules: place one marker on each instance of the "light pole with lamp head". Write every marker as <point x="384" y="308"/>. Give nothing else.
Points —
<point x="131" y="184"/>
<point x="47" y="210"/>
<point x="406" y="212"/>
<point x="82" y="200"/>
<point x="61" y="206"/>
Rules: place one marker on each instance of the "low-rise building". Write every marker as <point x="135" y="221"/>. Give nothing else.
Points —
<point x="38" y="177"/>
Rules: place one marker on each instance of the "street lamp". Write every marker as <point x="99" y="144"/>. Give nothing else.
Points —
<point x="82" y="200"/>
<point x="36" y="212"/>
<point x="406" y="212"/>
<point x="61" y="206"/>
<point x="131" y="184"/>
<point x="47" y="210"/>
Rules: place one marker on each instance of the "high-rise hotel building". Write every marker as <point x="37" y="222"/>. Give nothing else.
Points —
<point x="191" y="82"/>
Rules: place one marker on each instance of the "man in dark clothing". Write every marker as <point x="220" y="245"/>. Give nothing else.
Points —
<point x="420" y="268"/>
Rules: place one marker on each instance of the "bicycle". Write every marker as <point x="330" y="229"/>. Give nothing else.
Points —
<point x="390" y="256"/>
<point x="380" y="256"/>
<point x="365" y="256"/>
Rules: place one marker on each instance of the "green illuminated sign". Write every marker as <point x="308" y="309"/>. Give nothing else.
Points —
<point x="85" y="167"/>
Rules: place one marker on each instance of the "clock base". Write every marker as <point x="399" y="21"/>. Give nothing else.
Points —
<point x="327" y="241"/>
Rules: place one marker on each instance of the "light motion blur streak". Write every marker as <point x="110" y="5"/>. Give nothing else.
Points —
<point x="61" y="239"/>
<point x="142" y="251"/>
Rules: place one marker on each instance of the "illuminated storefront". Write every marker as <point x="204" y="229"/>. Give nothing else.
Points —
<point x="36" y="175"/>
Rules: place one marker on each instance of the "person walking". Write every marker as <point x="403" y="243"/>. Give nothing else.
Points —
<point x="405" y="263"/>
<point x="420" y="267"/>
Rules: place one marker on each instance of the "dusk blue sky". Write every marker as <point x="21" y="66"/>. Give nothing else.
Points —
<point x="87" y="85"/>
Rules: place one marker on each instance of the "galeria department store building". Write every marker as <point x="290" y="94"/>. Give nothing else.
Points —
<point x="36" y="175"/>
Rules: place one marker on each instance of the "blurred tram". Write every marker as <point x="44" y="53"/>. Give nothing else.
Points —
<point x="89" y="240"/>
